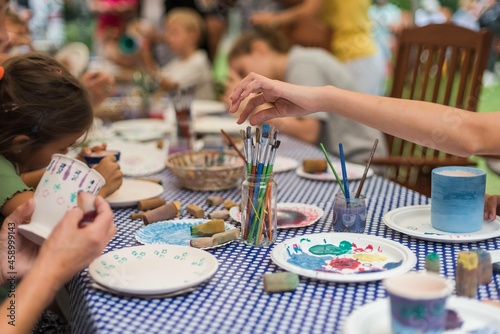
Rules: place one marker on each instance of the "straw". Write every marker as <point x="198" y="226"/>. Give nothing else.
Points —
<point x="363" y="178"/>
<point x="344" y="173"/>
<point x="331" y="167"/>
<point x="233" y="145"/>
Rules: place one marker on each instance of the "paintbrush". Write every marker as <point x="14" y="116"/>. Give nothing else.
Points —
<point x="332" y="168"/>
<point x="363" y="178"/>
<point x="344" y="173"/>
<point x="232" y="144"/>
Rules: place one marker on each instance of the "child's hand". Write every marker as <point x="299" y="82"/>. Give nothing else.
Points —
<point x="491" y="206"/>
<point x="111" y="172"/>
<point x="88" y="150"/>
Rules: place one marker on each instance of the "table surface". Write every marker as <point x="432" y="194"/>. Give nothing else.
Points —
<point x="234" y="301"/>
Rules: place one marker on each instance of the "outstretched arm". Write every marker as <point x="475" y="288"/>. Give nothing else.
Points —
<point x="449" y="129"/>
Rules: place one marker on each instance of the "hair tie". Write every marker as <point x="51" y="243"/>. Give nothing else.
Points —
<point x="2" y="72"/>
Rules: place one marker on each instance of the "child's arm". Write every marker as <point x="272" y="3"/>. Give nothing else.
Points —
<point x="491" y="206"/>
<point x="18" y="199"/>
<point x="32" y="179"/>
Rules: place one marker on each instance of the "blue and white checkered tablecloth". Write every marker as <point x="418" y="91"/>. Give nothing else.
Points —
<point x="234" y="301"/>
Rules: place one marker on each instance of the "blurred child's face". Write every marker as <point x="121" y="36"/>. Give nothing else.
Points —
<point x="41" y="157"/>
<point x="178" y="37"/>
<point x="4" y="37"/>
<point x="253" y="62"/>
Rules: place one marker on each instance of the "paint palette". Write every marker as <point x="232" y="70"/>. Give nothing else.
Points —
<point x="343" y="257"/>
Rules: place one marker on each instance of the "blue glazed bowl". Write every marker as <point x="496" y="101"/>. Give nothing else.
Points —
<point x="95" y="157"/>
<point x="457" y="199"/>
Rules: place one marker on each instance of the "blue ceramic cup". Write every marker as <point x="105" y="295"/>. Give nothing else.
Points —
<point x="457" y="199"/>
<point x="94" y="158"/>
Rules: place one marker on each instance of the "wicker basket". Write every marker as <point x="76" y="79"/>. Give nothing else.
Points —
<point x="207" y="170"/>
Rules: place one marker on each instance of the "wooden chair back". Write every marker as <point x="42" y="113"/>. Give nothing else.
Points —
<point x="440" y="63"/>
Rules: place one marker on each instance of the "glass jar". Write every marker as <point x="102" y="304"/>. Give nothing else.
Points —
<point x="349" y="216"/>
<point x="259" y="210"/>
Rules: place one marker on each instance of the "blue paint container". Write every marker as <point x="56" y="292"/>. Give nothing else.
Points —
<point x="457" y="199"/>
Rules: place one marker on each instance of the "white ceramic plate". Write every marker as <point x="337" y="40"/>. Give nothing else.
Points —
<point x="139" y="159"/>
<point x="208" y="107"/>
<point x="374" y="318"/>
<point x="172" y="232"/>
<point x="354" y="172"/>
<point x="343" y="257"/>
<point x="290" y="215"/>
<point x="213" y="124"/>
<point x="75" y="56"/>
<point x="284" y="164"/>
<point x="133" y="191"/>
<point x="415" y="221"/>
<point x="153" y="269"/>
<point x="142" y="129"/>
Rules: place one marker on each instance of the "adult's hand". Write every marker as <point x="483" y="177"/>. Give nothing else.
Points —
<point x="491" y="206"/>
<point x="16" y="250"/>
<point x="72" y="246"/>
<point x="288" y="100"/>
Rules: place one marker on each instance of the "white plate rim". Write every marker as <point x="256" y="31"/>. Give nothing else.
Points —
<point x="149" y="290"/>
<point x="142" y="124"/>
<point x="233" y="213"/>
<point x="143" y="150"/>
<point x="408" y="262"/>
<point x="177" y="221"/>
<point x="292" y="164"/>
<point x="149" y="190"/>
<point x="440" y="236"/>
<point x="354" y="320"/>
<point x="331" y="177"/>
<point x="201" y="107"/>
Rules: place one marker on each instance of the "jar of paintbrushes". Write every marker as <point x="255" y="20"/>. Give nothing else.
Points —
<point x="259" y="190"/>
<point x="182" y="138"/>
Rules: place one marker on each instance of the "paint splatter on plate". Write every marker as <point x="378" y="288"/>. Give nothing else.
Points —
<point x="343" y="257"/>
<point x="290" y="215"/>
<point x="173" y="232"/>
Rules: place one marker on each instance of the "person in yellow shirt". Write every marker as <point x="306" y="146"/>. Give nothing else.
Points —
<point x="352" y="40"/>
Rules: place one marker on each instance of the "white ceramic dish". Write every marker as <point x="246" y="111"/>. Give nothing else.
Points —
<point x="133" y="191"/>
<point x="284" y="164"/>
<point x="374" y="318"/>
<point x="142" y="129"/>
<point x="153" y="269"/>
<point x="354" y="172"/>
<point x="139" y="159"/>
<point x="208" y="107"/>
<point x="290" y="215"/>
<point x="415" y="220"/>
<point x="343" y="257"/>
<point x="172" y="232"/>
<point x="213" y="124"/>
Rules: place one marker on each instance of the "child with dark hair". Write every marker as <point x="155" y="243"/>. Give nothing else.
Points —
<point x="43" y="110"/>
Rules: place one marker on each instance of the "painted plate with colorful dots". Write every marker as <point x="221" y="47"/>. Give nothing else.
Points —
<point x="153" y="269"/>
<point x="343" y="257"/>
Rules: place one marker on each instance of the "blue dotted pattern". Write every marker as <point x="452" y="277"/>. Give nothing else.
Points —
<point x="234" y="301"/>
